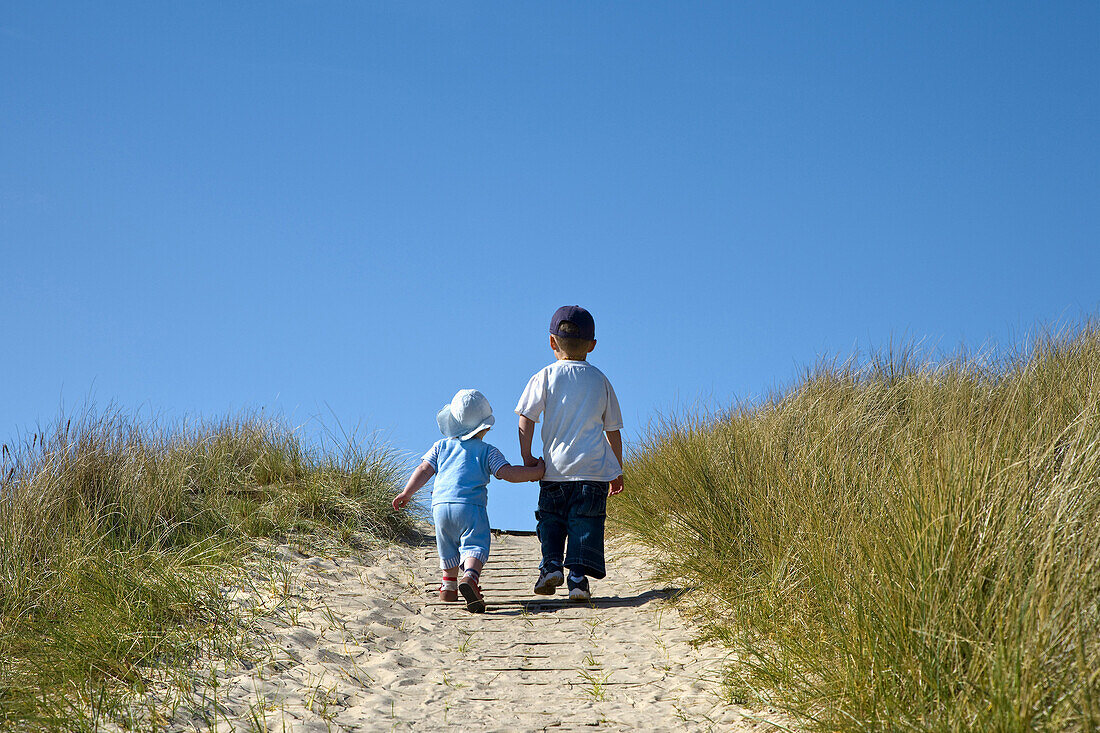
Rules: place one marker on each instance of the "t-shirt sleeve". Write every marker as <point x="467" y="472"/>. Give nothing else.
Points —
<point x="432" y="456"/>
<point x="533" y="400"/>
<point x="612" y="415"/>
<point x="497" y="461"/>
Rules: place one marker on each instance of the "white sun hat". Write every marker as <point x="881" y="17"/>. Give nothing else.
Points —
<point x="466" y="416"/>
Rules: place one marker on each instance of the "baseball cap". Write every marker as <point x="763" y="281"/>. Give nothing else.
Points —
<point x="579" y="317"/>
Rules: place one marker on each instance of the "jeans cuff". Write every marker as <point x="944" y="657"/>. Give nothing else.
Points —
<point x="449" y="562"/>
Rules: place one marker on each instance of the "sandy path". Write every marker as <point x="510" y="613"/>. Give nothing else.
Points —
<point x="372" y="648"/>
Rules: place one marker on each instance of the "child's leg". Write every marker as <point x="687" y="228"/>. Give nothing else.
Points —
<point x="447" y="538"/>
<point x="476" y="539"/>
<point x="585" y="525"/>
<point x="448" y="589"/>
<point x="551" y="527"/>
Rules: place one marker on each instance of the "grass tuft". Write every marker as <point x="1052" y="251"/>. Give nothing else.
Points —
<point x="900" y="546"/>
<point x="118" y="539"/>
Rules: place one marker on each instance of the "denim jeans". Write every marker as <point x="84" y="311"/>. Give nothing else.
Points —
<point x="573" y="512"/>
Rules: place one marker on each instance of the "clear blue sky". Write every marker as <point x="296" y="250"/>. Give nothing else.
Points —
<point x="365" y="206"/>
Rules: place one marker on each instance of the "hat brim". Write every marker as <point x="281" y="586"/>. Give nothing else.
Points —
<point x="486" y="423"/>
<point x="452" y="428"/>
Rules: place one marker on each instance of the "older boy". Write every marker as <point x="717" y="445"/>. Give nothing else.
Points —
<point x="583" y="450"/>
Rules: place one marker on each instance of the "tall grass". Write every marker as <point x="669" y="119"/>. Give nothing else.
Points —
<point x="116" y="535"/>
<point x="902" y="546"/>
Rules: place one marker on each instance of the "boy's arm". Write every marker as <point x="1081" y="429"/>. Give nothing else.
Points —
<point x="526" y="435"/>
<point x="615" y="438"/>
<point x="419" y="477"/>
<point x="519" y="474"/>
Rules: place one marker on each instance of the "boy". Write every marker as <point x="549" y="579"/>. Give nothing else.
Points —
<point x="462" y="464"/>
<point x="583" y="449"/>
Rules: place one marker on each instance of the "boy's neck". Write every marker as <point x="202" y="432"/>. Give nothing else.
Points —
<point x="566" y="357"/>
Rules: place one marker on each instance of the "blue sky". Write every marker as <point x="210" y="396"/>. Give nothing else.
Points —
<point x="350" y="210"/>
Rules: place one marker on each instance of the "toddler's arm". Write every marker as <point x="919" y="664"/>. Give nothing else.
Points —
<point x="419" y="477"/>
<point x="615" y="438"/>
<point x="519" y="474"/>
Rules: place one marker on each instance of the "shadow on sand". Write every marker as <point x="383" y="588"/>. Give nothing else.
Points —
<point x="552" y="605"/>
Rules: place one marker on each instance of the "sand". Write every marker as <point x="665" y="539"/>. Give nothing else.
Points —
<point x="370" y="647"/>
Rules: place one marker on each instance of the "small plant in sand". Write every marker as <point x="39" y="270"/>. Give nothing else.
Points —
<point x="593" y="623"/>
<point x="466" y="641"/>
<point x="321" y="700"/>
<point x="595" y="684"/>
<point x="449" y="681"/>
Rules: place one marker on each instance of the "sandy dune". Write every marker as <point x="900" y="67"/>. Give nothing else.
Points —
<point x="372" y="648"/>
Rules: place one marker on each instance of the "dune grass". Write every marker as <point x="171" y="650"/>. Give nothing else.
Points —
<point x="898" y="546"/>
<point x="118" y="538"/>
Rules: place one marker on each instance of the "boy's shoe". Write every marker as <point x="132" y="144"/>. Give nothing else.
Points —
<point x="475" y="602"/>
<point x="547" y="582"/>
<point x="448" y="590"/>
<point x="578" y="590"/>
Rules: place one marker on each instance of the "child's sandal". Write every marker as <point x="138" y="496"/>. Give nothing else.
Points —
<point x="448" y="590"/>
<point x="475" y="602"/>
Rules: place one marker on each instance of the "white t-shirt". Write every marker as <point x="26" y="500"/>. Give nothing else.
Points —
<point x="580" y="405"/>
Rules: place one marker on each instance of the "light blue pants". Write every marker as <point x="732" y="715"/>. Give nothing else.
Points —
<point x="461" y="531"/>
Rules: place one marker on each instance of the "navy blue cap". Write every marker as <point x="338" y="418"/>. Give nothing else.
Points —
<point x="579" y="317"/>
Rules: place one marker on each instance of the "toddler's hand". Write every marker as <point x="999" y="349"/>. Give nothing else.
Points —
<point x="401" y="500"/>
<point x="616" y="487"/>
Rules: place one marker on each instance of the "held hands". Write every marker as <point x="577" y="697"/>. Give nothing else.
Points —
<point x="536" y="463"/>
<point x="616" y="487"/>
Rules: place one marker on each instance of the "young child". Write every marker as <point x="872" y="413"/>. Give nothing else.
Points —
<point x="583" y="449"/>
<point x="462" y="464"/>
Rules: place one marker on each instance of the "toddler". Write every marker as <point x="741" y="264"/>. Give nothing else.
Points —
<point x="462" y="464"/>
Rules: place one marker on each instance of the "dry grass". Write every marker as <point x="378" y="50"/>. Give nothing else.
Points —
<point x="118" y="537"/>
<point x="903" y="546"/>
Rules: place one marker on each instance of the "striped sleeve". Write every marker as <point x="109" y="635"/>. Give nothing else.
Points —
<point x="497" y="461"/>
<point x="432" y="456"/>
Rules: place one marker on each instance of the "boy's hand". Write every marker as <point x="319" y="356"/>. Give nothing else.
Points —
<point x="530" y="461"/>
<point x="401" y="500"/>
<point x="541" y="464"/>
<point x="616" y="487"/>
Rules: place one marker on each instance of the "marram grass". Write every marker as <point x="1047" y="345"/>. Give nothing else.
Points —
<point x="118" y="537"/>
<point x="902" y="546"/>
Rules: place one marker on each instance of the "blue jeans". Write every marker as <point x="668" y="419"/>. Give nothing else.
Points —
<point x="572" y="511"/>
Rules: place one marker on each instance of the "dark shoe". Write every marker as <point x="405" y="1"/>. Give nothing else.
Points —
<point x="475" y="602"/>
<point x="547" y="582"/>
<point x="578" y="590"/>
